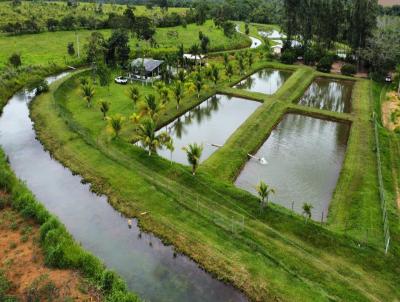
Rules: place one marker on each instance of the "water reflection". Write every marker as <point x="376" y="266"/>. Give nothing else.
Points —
<point x="328" y="94"/>
<point x="210" y="123"/>
<point x="151" y="269"/>
<point x="265" y="81"/>
<point x="305" y="156"/>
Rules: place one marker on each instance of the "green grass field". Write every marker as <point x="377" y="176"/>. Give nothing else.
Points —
<point x="51" y="47"/>
<point x="275" y="255"/>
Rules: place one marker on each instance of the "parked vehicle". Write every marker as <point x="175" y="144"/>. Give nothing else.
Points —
<point x="388" y="79"/>
<point x="121" y="80"/>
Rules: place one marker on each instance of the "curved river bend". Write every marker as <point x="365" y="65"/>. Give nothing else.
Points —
<point x="148" y="266"/>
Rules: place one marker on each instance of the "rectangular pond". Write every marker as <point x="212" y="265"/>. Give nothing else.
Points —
<point x="329" y="94"/>
<point x="304" y="158"/>
<point x="211" y="122"/>
<point x="266" y="81"/>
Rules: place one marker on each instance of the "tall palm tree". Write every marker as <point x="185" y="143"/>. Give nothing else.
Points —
<point x="134" y="95"/>
<point x="241" y="64"/>
<point x="135" y="119"/>
<point x="226" y="59"/>
<point x="264" y="192"/>
<point x="148" y="137"/>
<point x="164" y="94"/>
<point x="198" y="83"/>
<point x="195" y="51"/>
<point x="104" y="108"/>
<point x="250" y="59"/>
<point x="193" y="152"/>
<point x="178" y="92"/>
<point x="151" y="107"/>
<point x="229" y="71"/>
<point x="307" y="207"/>
<point x="181" y="75"/>
<point x="170" y="146"/>
<point x="214" y="74"/>
<point x="115" y="123"/>
<point x="88" y="94"/>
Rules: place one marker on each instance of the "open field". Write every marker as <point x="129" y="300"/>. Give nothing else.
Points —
<point x="51" y="47"/>
<point x="294" y="260"/>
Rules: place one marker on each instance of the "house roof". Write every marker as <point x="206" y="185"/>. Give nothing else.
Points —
<point x="192" y="57"/>
<point x="149" y="64"/>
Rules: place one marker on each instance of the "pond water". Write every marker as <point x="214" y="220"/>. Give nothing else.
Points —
<point x="329" y="94"/>
<point x="149" y="267"/>
<point x="266" y="81"/>
<point x="210" y="123"/>
<point x="304" y="156"/>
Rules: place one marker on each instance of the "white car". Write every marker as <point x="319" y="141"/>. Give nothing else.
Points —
<point x="388" y="79"/>
<point x="121" y="80"/>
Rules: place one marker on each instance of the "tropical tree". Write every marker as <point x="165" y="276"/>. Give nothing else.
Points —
<point x="226" y="59"/>
<point x="151" y="107"/>
<point x="182" y="75"/>
<point x="195" y="51"/>
<point x="250" y="59"/>
<point x="307" y="207"/>
<point x="193" y="152"/>
<point x="215" y="74"/>
<point x="264" y="192"/>
<point x="170" y="146"/>
<point x="88" y="94"/>
<point x="178" y="93"/>
<point x="104" y="108"/>
<point x="164" y="94"/>
<point x="134" y="95"/>
<point x="229" y="71"/>
<point x="198" y="83"/>
<point x="115" y="123"/>
<point x="148" y="137"/>
<point x="241" y="64"/>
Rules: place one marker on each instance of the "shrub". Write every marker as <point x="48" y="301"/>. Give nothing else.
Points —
<point x="288" y="57"/>
<point x="325" y="64"/>
<point x="56" y="257"/>
<point x="15" y="60"/>
<point x="310" y="56"/>
<point x="348" y="69"/>
<point x="42" y="87"/>
<point x="50" y="224"/>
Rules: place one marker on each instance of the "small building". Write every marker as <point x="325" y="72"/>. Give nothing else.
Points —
<point x="196" y="59"/>
<point x="144" y="68"/>
<point x="277" y="49"/>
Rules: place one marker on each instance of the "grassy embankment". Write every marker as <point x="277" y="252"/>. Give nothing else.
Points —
<point x="51" y="47"/>
<point x="293" y="260"/>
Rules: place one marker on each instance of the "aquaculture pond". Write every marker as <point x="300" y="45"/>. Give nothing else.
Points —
<point x="150" y="268"/>
<point x="266" y="81"/>
<point x="304" y="157"/>
<point x="210" y="123"/>
<point x="329" y="94"/>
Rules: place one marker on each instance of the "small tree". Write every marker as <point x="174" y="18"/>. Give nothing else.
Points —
<point x="264" y="192"/>
<point x="104" y="74"/>
<point x="241" y="64"/>
<point x="307" y="207"/>
<point x="226" y="59"/>
<point x="193" y="152"/>
<point x="71" y="49"/>
<point x="115" y="123"/>
<point x="170" y="146"/>
<point x="215" y="74"/>
<point x="250" y="59"/>
<point x="164" y="94"/>
<point x="151" y="107"/>
<point x="104" y="108"/>
<point x="88" y="94"/>
<point x="134" y="95"/>
<point x="229" y="71"/>
<point x="246" y="29"/>
<point x="198" y="83"/>
<point x="15" y="60"/>
<point x="147" y="135"/>
<point x="178" y="92"/>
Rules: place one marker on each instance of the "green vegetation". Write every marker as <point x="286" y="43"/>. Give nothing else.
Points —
<point x="294" y="260"/>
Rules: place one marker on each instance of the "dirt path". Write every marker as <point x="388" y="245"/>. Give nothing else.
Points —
<point x="391" y="111"/>
<point x="22" y="261"/>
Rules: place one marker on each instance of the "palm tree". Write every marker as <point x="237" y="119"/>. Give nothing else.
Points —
<point x="134" y="95"/>
<point x="214" y="74"/>
<point x="88" y="94"/>
<point x="170" y="146"/>
<point x="193" y="152"/>
<point x="182" y="75"/>
<point x="195" y="50"/>
<point x="307" y="207"/>
<point x="164" y="94"/>
<point x="151" y="106"/>
<point x="178" y="92"/>
<point x="150" y="140"/>
<point x="264" y="191"/>
<point x="115" y="123"/>
<point x="198" y="83"/>
<point x="229" y="71"/>
<point x="241" y="64"/>
<point x="226" y="59"/>
<point x="135" y="119"/>
<point x="250" y="59"/>
<point x="104" y="108"/>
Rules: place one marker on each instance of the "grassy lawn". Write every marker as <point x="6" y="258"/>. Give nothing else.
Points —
<point x="51" y="47"/>
<point x="273" y="255"/>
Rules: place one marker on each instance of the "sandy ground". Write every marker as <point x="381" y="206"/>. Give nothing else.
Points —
<point x="391" y="104"/>
<point x="22" y="261"/>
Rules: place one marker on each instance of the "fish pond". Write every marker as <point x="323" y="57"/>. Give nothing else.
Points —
<point x="304" y="157"/>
